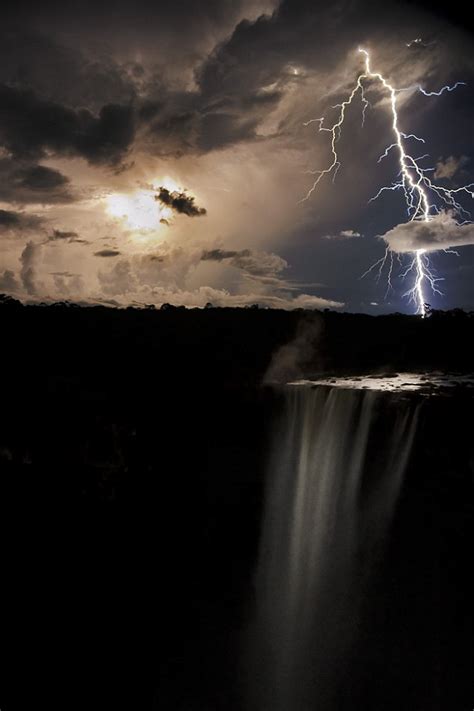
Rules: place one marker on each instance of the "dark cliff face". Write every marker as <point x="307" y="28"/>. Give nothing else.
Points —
<point x="129" y="524"/>
<point x="131" y="498"/>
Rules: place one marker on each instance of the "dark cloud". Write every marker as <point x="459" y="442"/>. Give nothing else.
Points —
<point x="9" y="219"/>
<point x="241" y="67"/>
<point x="40" y="177"/>
<point x="240" y="73"/>
<point x="217" y="130"/>
<point x="193" y="122"/>
<point x="95" y="65"/>
<point x="173" y="132"/>
<point x="180" y="202"/>
<point x="258" y="60"/>
<point x="12" y="221"/>
<point x="160" y="32"/>
<point x="243" y="80"/>
<point x="24" y="182"/>
<point x="59" y="72"/>
<point x="107" y="253"/>
<point x="31" y="126"/>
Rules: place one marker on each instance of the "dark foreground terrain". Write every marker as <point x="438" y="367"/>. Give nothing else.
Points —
<point x="133" y="452"/>
<point x="238" y="347"/>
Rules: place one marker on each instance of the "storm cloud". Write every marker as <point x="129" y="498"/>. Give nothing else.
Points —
<point x="180" y="202"/>
<point x="16" y="222"/>
<point x="23" y="182"/>
<point x="440" y="232"/>
<point x="30" y="126"/>
<point x="40" y="177"/>
<point x="102" y="101"/>
<point x="9" y="219"/>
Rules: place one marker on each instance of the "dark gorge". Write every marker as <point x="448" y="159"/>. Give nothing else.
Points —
<point x="182" y="529"/>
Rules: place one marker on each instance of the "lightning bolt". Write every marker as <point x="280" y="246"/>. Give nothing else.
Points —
<point x="413" y="181"/>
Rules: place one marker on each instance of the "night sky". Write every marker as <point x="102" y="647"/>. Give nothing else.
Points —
<point x="157" y="152"/>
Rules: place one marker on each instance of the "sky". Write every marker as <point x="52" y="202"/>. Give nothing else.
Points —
<point x="156" y="152"/>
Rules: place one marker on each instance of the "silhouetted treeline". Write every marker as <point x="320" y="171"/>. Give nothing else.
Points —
<point x="235" y="346"/>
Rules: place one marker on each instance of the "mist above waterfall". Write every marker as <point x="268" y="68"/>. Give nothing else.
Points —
<point x="289" y="360"/>
<point x="337" y="465"/>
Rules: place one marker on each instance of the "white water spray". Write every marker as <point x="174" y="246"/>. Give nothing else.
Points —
<point x="337" y="467"/>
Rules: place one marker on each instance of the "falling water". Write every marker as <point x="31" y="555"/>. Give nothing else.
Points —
<point x="338" y="462"/>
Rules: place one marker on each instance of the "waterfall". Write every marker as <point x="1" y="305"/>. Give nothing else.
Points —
<point x="337" y="465"/>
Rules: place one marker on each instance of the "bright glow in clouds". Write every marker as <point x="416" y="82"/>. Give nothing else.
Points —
<point x="140" y="210"/>
<point x="424" y="199"/>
